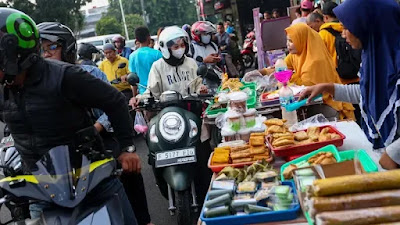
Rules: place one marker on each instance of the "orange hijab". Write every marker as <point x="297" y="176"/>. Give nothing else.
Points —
<point x="313" y="64"/>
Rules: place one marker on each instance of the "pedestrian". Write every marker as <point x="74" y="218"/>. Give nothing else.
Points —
<point x="312" y="64"/>
<point x="306" y="8"/>
<point x="228" y="27"/>
<point x="315" y="21"/>
<point x="141" y="60"/>
<point x="276" y="14"/>
<point x="377" y="93"/>
<point x="297" y="13"/>
<point x="267" y="15"/>
<point x="224" y="42"/>
<point x="110" y="67"/>
<point x="202" y="49"/>
<point x="119" y="44"/>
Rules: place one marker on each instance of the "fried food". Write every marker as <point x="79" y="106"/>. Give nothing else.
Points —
<point x="313" y="132"/>
<point x="275" y="129"/>
<point x="241" y="154"/>
<point x="279" y="135"/>
<point x="275" y="121"/>
<point x="301" y="136"/>
<point x="265" y="155"/>
<point x="233" y="84"/>
<point x="241" y="160"/>
<point x="334" y="136"/>
<point x="258" y="149"/>
<point x="257" y="141"/>
<point x="288" y="172"/>
<point x="240" y="148"/>
<point x="282" y="142"/>
<point x="322" y="158"/>
<point x="257" y="134"/>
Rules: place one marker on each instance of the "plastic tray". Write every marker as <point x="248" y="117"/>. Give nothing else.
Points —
<point x="251" y="101"/>
<point x="366" y="161"/>
<point x="329" y="148"/>
<point x="272" y="216"/>
<point x="294" y="150"/>
<point x="218" y="168"/>
<point x="272" y="102"/>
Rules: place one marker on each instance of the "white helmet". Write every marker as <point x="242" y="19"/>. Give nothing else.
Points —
<point x="168" y="37"/>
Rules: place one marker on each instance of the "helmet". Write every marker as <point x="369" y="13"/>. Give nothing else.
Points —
<point x="167" y="38"/>
<point x="202" y="27"/>
<point x="120" y="39"/>
<point x="59" y="33"/>
<point x="86" y="51"/>
<point x="19" y="42"/>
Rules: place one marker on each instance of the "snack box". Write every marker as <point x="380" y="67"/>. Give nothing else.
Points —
<point x="251" y="101"/>
<point x="219" y="167"/>
<point x="295" y="150"/>
<point x="271" y="216"/>
<point x="272" y="102"/>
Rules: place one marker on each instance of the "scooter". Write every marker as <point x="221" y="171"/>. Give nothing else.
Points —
<point x="248" y="54"/>
<point x="172" y="139"/>
<point x="54" y="181"/>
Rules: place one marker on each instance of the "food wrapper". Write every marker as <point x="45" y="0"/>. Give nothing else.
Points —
<point x="353" y="201"/>
<point x="357" y="183"/>
<point x="360" y="216"/>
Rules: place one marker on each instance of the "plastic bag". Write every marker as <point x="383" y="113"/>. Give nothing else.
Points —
<point x="140" y="123"/>
<point x="317" y="120"/>
<point x="264" y="83"/>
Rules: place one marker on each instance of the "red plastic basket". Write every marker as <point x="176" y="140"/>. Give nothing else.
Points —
<point x="219" y="167"/>
<point x="290" y="152"/>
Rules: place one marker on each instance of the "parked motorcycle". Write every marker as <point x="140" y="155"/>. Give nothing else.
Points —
<point x="248" y="53"/>
<point x="173" y="138"/>
<point x="56" y="182"/>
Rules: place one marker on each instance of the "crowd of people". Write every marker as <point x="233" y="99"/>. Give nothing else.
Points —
<point x="327" y="48"/>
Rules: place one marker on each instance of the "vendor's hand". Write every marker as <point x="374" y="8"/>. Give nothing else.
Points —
<point x="203" y="89"/>
<point x="98" y="127"/>
<point x="130" y="162"/>
<point x="315" y="90"/>
<point x="124" y="78"/>
<point x="212" y="58"/>
<point x="387" y="163"/>
<point x="134" y="102"/>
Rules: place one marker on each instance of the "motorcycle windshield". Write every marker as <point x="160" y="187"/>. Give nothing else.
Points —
<point x="57" y="179"/>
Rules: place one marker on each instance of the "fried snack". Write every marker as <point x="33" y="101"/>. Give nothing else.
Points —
<point x="241" y="154"/>
<point x="240" y="148"/>
<point x="222" y="150"/>
<point x="334" y="136"/>
<point x="322" y="158"/>
<point x="313" y="138"/>
<point x="357" y="183"/>
<point x="258" y="149"/>
<point x="286" y="134"/>
<point x="275" y="129"/>
<point x="354" y="201"/>
<point x="275" y="121"/>
<point x="288" y="172"/>
<point x="324" y="137"/>
<point x="265" y="155"/>
<point x="257" y="141"/>
<point x="313" y="132"/>
<point x="220" y="159"/>
<point x="325" y="130"/>
<point x="241" y="160"/>
<point x="257" y="134"/>
<point x="282" y="142"/>
<point x="233" y="84"/>
<point x="301" y="136"/>
<point x="360" y="216"/>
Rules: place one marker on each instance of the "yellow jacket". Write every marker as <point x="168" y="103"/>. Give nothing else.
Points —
<point x="329" y="41"/>
<point x="112" y="72"/>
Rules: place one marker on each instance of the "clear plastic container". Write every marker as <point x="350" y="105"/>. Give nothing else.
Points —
<point x="250" y="118"/>
<point x="228" y="135"/>
<point x="280" y="65"/>
<point x="237" y="101"/>
<point x="286" y="97"/>
<point x="233" y="120"/>
<point x="244" y="134"/>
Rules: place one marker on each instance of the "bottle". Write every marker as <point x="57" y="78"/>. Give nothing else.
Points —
<point x="286" y="96"/>
<point x="280" y="65"/>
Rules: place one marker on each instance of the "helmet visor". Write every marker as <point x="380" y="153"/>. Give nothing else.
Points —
<point x="180" y="41"/>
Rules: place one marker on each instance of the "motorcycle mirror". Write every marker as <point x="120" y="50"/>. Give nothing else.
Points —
<point x="202" y="70"/>
<point x="122" y="65"/>
<point x="133" y="79"/>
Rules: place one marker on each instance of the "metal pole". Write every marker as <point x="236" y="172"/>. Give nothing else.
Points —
<point x="123" y="20"/>
<point x="143" y="12"/>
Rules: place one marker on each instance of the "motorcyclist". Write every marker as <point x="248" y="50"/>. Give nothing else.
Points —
<point x="45" y="102"/>
<point x="86" y="52"/>
<point x="119" y="43"/>
<point x="202" y="49"/>
<point x="174" y="71"/>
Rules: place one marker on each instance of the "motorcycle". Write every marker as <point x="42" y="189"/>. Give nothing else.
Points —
<point x="248" y="52"/>
<point x="53" y="181"/>
<point x="173" y="138"/>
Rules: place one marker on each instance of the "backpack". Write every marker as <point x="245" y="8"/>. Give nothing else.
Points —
<point x="349" y="59"/>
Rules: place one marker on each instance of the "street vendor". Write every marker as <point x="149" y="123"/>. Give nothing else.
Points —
<point x="312" y="64"/>
<point x="377" y="93"/>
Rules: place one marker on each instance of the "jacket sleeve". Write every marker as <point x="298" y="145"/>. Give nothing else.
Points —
<point x="88" y="91"/>
<point x="154" y="83"/>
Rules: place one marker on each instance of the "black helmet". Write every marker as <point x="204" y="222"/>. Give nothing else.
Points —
<point x="19" y="41"/>
<point x="86" y="51"/>
<point x="59" y="33"/>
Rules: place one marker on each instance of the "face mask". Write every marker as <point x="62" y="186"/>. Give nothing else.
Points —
<point x="178" y="53"/>
<point x="206" y="39"/>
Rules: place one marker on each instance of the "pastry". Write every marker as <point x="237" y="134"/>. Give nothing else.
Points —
<point x="313" y="132"/>
<point x="257" y="135"/>
<point x="282" y="142"/>
<point x="275" y="121"/>
<point x="257" y="141"/>
<point x="301" y="136"/>
<point x="275" y="129"/>
<point x="334" y="136"/>
<point x="265" y="155"/>
<point x="279" y="135"/>
<point x="257" y="149"/>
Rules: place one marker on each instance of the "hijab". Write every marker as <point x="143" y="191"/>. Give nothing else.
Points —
<point x="377" y="24"/>
<point x="313" y="64"/>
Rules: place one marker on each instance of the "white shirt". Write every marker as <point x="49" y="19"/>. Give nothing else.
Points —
<point x="203" y="51"/>
<point x="299" y="20"/>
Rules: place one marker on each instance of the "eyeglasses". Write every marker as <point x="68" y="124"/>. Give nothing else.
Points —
<point x="50" y="49"/>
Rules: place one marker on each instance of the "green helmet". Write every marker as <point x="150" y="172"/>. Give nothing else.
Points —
<point x="19" y="41"/>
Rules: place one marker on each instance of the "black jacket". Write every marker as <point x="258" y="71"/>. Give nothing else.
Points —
<point x="52" y="106"/>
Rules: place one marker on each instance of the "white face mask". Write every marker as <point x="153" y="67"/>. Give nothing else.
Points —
<point x="178" y="53"/>
<point x="206" y="39"/>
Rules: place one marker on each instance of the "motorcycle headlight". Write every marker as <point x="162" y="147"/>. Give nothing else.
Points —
<point x="152" y="135"/>
<point x="172" y="126"/>
<point x="194" y="130"/>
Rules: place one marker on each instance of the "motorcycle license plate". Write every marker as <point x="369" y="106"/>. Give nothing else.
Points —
<point x="176" y="157"/>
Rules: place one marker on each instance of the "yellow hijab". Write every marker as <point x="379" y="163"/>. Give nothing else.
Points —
<point x="313" y="65"/>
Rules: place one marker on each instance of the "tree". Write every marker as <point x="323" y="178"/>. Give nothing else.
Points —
<point x="64" y="11"/>
<point x="132" y="22"/>
<point x="108" y="25"/>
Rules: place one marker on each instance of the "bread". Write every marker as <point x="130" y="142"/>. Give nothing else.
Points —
<point x="301" y="136"/>
<point x="258" y="149"/>
<point x="257" y="141"/>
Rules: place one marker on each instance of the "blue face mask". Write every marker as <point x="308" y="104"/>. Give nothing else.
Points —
<point x="206" y="39"/>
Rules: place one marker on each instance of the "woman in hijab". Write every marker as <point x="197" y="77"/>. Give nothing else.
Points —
<point x="374" y="27"/>
<point x="313" y="65"/>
